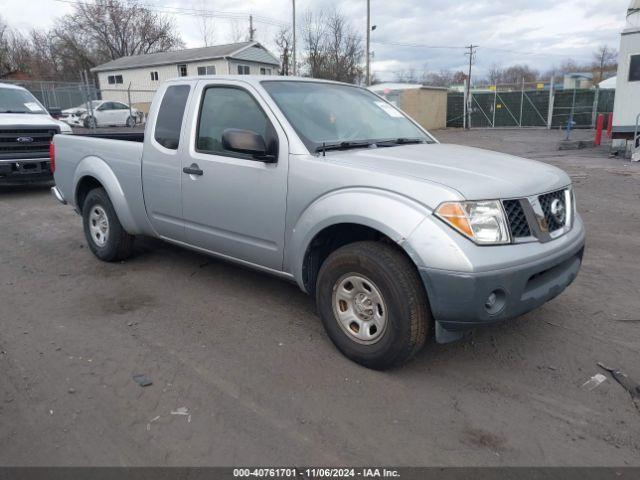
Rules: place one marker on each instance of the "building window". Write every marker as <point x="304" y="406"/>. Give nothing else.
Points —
<point x="634" y="68"/>
<point x="243" y="70"/>
<point x="182" y="70"/>
<point x="207" y="70"/>
<point x="114" y="79"/>
<point x="265" y="71"/>
<point x="154" y="76"/>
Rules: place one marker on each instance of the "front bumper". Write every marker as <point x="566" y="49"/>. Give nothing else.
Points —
<point x="73" y="121"/>
<point x="28" y="169"/>
<point x="459" y="299"/>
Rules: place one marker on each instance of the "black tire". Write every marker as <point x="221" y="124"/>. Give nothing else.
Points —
<point x="118" y="244"/>
<point x="408" y="315"/>
<point x="131" y="122"/>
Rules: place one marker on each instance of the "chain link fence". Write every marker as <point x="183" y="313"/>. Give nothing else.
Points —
<point x="529" y="105"/>
<point x="57" y="96"/>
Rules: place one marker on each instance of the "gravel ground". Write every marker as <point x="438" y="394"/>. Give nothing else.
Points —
<point x="247" y="357"/>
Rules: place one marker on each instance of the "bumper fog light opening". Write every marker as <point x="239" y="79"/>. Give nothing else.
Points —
<point x="495" y="302"/>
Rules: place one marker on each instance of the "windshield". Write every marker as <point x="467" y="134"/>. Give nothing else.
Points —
<point x="14" y="100"/>
<point x="326" y="114"/>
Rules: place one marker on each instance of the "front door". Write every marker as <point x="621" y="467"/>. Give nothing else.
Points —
<point x="235" y="204"/>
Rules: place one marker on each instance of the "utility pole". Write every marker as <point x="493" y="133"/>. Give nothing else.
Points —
<point x="252" y="30"/>
<point x="295" y="65"/>
<point x="467" y="112"/>
<point x="368" y="80"/>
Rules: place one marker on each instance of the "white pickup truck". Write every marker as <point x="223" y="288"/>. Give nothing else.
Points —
<point x="330" y="186"/>
<point x="26" y="130"/>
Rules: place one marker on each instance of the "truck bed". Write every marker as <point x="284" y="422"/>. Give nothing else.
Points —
<point x="126" y="136"/>
<point x="112" y="159"/>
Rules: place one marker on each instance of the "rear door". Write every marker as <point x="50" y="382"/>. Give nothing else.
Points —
<point x="161" y="162"/>
<point x="237" y="205"/>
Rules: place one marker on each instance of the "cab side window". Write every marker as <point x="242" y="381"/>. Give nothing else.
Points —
<point x="231" y="108"/>
<point x="169" y="121"/>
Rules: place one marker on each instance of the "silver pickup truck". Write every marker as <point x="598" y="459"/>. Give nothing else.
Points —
<point x="328" y="185"/>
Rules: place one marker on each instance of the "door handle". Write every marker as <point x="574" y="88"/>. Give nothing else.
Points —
<point x="194" y="169"/>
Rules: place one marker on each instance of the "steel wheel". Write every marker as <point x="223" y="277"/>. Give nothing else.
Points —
<point x="99" y="225"/>
<point x="359" y="308"/>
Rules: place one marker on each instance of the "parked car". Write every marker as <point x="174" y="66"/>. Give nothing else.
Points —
<point x="330" y="186"/>
<point x="102" y="113"/>
<point x="26" y="130"/>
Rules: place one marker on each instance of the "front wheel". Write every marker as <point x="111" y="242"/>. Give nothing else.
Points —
<point x="90" y="122"/>
<point x="106" y="238"/>
<point x="131" y="122"/>
<point x="373" y="304"/>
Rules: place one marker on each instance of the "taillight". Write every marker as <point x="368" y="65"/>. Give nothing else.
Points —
<point x="52" y="157"/>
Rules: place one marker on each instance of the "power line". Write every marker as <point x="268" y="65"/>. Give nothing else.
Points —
<point x="193" y="12"/>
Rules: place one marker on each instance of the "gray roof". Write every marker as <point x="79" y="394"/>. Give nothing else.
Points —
<point x="248" y="51"/>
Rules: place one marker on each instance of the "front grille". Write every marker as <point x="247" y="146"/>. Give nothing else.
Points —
<point x="517" y="220"/>
<point x="554" y="206"/>
<point x="38" y="147"/>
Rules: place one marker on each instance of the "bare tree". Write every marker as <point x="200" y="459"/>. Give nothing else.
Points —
<point x="495" y="74"/>
<point x="443" y="78"/>
<point x="239" y="33"/>
<point x="517" y="73"/>
<point x="606" y="59"/>
<point x="206" y="25"/>
<point x="333" y="48"/>
<point x="284" y="41"/>
<point x="118" y="28"/>
<point x="15" y="51"/>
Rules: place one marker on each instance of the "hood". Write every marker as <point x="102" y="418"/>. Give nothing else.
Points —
<point x="31" y="120"/>
<point x="475" y="173"/>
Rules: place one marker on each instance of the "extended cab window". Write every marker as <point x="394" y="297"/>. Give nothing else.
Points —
<point x="634" y="68"/>
<point x="169" y="121"/>
<point x="230" y="108"/>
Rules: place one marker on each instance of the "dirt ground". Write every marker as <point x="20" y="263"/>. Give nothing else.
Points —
<point x="246" y="356"/>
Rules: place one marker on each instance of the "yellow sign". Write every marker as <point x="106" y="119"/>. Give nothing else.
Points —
<point x="499" y="105"/>
<point x="540" y="86"/>
<point x="492" y="88"/>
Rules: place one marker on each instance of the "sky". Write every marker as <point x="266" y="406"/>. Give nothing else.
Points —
<point x="425" y="35"/>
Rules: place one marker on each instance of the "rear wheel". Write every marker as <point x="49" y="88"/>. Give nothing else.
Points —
<point x="105" y="235"/>
<point x="373" y="304"/>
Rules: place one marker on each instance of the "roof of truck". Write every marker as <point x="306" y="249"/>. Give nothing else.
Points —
<point x="257" y="79"/>
<point x="11" y="85"/>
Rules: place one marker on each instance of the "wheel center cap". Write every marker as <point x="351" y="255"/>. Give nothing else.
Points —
<point x="362" y="304"/>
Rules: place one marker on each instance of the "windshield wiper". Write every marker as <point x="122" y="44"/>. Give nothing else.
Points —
<point x="399" y="141"/>
<point x="347" y="144"/>
<point x="13" y="111"/>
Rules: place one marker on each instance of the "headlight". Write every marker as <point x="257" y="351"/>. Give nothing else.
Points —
<point x="483" y="222"/>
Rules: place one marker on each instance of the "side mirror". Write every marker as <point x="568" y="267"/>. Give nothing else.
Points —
<point x="55" y="112"/>
<point x="248" y="142"/>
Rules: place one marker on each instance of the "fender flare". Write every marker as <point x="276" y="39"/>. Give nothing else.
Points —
<point x="392" y="214"/>
<point x="97" y="168"/>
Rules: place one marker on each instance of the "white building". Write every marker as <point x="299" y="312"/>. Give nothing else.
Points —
<point x="627" y="103"/>
<point x="142" y="74"/>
